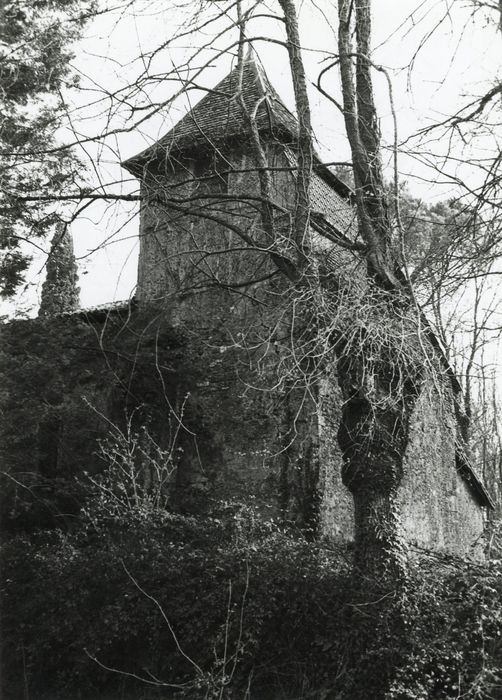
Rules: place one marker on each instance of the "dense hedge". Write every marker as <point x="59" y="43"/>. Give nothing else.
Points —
<point x="243" y="602"/>
<point x="224" y="605"/>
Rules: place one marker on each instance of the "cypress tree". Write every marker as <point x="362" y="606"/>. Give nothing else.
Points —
<point x="60" y="292"/>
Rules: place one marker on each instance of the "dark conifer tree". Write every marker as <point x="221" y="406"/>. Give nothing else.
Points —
<point x="60" y="292"/>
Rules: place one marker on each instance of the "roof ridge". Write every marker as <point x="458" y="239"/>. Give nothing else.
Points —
<point x="260" y="72"/>
<point x="106" y="306"/>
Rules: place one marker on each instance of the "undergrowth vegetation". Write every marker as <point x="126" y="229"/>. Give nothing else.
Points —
<point x="113" y="588"/>
<point x="159" y="605"/>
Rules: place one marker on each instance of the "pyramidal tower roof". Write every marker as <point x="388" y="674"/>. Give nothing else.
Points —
<point x="218" y="116"/>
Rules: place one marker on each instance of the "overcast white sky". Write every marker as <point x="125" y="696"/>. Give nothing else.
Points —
<point x="460" y="58"/>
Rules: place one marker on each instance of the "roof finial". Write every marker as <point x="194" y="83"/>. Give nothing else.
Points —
<point x="249" y="52"/>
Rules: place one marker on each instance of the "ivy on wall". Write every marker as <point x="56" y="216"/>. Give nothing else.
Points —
<point x="66" y="383"/>
<point x="70" y="382"/>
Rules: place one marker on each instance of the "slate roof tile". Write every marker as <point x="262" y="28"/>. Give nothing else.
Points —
<point x="218" y="116"/>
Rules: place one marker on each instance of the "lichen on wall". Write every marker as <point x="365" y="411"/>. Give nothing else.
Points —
<point x="439" y="511"/>
<point x="336" y="513"/>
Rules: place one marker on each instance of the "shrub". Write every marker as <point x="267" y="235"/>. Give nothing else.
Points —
<point x="159" y="605"/>
<point x="454" y="621"/>
<point x="201" y="604"/>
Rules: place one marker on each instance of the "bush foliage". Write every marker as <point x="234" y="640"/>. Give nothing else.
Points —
<point x="158" y="605"/>
<point x="110" y="590"/>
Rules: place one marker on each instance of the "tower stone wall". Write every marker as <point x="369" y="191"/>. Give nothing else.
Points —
<point x="199" y="185"/>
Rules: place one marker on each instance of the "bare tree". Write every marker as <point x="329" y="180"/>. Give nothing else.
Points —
<point x="373" y="332"/>
<point x="380" y="376"/>
<point x="369" y="331"/>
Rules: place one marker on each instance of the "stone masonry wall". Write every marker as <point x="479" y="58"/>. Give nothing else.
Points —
<point x="188" y="253"/>
<point x="263" y="429"/>
<point x="439" y="510"/>
<point x="336" y="512"/>
<point x="270" y="442"/>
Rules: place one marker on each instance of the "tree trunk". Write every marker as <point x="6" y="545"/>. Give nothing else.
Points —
<point x="378" y="406"/>
<point x="373" y="442"/>
<point x="379" y="387"/>
<point x="361" y="125"/>
<point x="305" y="151"/>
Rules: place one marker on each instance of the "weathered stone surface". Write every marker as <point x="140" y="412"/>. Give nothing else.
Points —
<point x="439" y="510"/>
<point x="253" y="424"/>
<point x="272" y="444"/>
